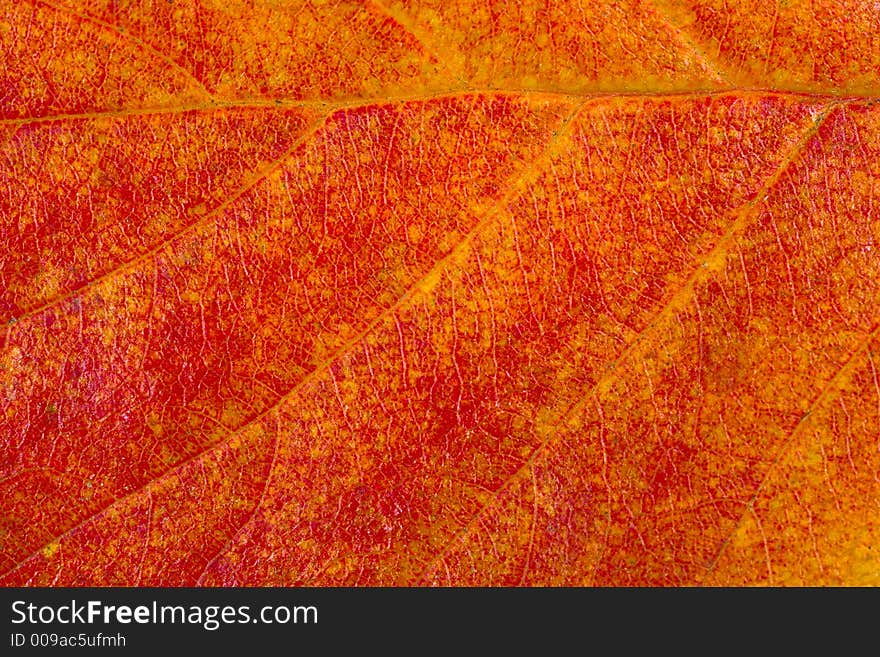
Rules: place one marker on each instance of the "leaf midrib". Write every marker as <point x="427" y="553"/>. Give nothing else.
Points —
<point x="332" y="105"/>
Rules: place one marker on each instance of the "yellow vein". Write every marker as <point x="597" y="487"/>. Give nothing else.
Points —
<point x="413" y="30"/>
<point x="255" y="179"/>
<point x="417" y="289"/>
<point x="129" y="37"/>
<point x="685" y="39"/>
<point x="238" y="532"/>
<point x="414" y="291"/>
<point x="709" y="264"/>
<point x="830" y="392"/>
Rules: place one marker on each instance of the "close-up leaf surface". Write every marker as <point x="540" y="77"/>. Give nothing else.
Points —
<point x="448" y="293"/>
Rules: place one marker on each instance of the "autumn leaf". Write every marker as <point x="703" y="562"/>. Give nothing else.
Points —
<point x="423" y="292"/>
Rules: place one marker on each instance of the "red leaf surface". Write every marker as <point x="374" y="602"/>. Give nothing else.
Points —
<point x="439" y="293"/>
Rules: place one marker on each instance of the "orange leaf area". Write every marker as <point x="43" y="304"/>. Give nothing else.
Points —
<point x="439" y="293"/>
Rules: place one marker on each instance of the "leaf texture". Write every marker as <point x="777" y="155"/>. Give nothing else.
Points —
<point x="439" y="293"/>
